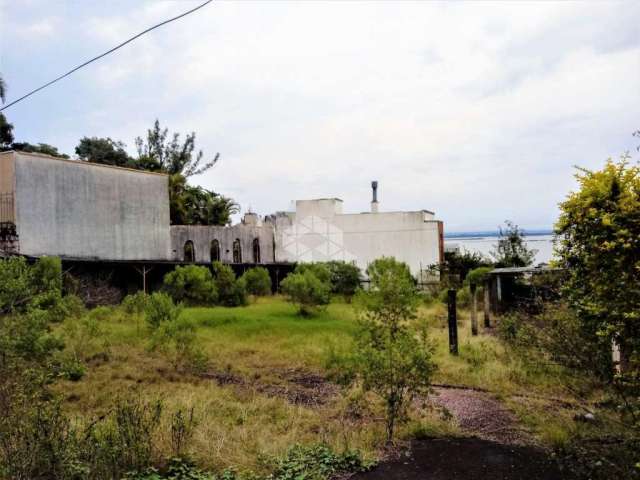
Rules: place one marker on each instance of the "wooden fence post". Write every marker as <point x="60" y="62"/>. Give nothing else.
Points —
<point x="453" y="323"/>
<point x="487" y="299"/>
<point x="474" y="310"/>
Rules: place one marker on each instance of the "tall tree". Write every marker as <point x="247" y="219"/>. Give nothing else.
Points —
<point x="6" y="129"/>
<point x="171" y="155"/>
<point x="512" y="250"/>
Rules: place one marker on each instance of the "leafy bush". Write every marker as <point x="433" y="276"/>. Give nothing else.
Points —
<point x="160" y="309"/>
<point x="24" y="287"/>
<point x="478" y="276"/>
<point x="388" y="357"/>
<point x="318" y="462"/>
<point x="135" y="304"/>
<point x="257" y="281"/>
<point x="306" y="290"/>
<point x="512" y="250"/>
<point x="125" y="440"/>
<point x="345" y="278"/>
<point x="319" y="269"/>
<point x="231" y="292"/>
<point x="191" y="284"/>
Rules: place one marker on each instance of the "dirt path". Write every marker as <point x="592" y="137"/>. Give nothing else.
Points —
<point x="499" y="448"/>
<point x="480" y="415"/>
<point x="467" y="459"/>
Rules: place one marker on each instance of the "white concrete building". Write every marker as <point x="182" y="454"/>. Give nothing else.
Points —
<point x="84" y="211"/>
<point x="319" y="231"/>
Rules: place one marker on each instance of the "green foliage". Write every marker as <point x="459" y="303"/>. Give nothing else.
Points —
<point x="511" y="250"/>
<point x="160" y="309"/>
<point x="599" y="246"/>
<point x="345" y="278"/>
<point x="317" y="462"/>
<point x="257" y="281"/>
<point x="135" y="304"/>
<point x="320" y="270"/>
<point x="125" y="440"/>
<point x="43" y="148"/>
<point x="24" y="287"/>
<point x="105" y="151"/>
<point x="458" y="264"/>
<point x="191" y="284"/>
<point x="304" y="289"/>
<point x="389" y="358"/>
<point x="231" y="292"/>
<point x="477" y="276"/>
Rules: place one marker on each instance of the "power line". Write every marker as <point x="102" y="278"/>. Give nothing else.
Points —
<point x="106" y="53"/>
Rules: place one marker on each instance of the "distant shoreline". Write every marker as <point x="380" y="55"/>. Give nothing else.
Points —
<point x="493" y="233"/>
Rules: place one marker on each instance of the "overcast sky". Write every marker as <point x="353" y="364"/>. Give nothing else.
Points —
<point x="477" y="111"/>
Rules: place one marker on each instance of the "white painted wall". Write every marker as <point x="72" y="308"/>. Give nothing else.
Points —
<point x="319" y="231"/>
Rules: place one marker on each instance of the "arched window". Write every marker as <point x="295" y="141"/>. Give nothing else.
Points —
<point x="237" y="251"/>
<point x="215" y="251"/>
<point x="256" y="250"/>
<point x="189" y="252"/>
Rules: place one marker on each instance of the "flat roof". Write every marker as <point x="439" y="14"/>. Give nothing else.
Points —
<point x="81" y="162"/>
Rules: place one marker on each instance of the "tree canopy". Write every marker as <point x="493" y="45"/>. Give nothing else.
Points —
<point x="599" y="246"/>
<point x="162" y="152"/>
<point x="511" y="250"/>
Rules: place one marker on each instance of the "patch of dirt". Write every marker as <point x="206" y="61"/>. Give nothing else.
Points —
<point x="297" y="386"/>
<point x="481" y="415"/>
<point x="467" y="459"/>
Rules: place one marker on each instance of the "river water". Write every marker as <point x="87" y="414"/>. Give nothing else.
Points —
<point x="484" y="244"/>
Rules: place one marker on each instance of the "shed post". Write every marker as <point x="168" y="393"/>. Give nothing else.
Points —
<point x="453" y="322"/>
<point x="474" y="310"/>
<point x="486" y="292"/>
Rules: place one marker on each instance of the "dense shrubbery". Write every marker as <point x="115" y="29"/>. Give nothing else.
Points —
<point x="306" y="290"/>
<point x="344" y="278"/>
<point x="172" y="334"/>
<point x="257" y="281"/>
<point x="191" y="284"/>
<point x="231" y="292"/>
<point x="390" y="357"/>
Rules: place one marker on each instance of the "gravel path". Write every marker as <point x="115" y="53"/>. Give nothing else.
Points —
<point x="481" y="415"/>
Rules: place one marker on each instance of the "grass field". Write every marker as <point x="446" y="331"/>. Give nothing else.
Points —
<point x="263" y="388"/>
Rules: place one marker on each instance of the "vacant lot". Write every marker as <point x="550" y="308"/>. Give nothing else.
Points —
<point x="264" y="389"/>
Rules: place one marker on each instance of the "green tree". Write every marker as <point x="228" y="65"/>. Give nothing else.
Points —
<point x="345" y="278"/>
<point x="305" y="290"/>
<point x="257" y="281"/>
<point x="43" y="148"/>
<point x="172" y="155"/>
<point x="511" y="250"/>
<point x="389" y="357"/>
<point x="6" y="129"/>
<point x="105" y="151"/>
<point x="191" y="284"/>
<point x="231" y="292"/>
<point x="599" y="246"/>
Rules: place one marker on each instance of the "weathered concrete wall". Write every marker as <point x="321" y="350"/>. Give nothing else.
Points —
<point x="7" y="187"/>
<point x="319" y="234"/>
<point x="203" y="236"/>
<point x="76" y="209"/>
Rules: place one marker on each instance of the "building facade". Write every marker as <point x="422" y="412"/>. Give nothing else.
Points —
<point x="84" y="211"/>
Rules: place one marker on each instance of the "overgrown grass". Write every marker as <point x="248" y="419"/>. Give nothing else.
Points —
<point x="257" y="349"/>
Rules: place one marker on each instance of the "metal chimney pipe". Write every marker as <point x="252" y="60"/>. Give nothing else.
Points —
<point x="374" y="201"/>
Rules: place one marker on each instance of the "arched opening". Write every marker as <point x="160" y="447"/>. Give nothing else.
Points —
<point x="256" y="250"/>
<point x="189" y="252"/>
<point x="237" y="251"/>
<point x="215" y="250"/>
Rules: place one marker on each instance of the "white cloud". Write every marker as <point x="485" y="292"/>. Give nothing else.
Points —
<point x="476" y="110"/>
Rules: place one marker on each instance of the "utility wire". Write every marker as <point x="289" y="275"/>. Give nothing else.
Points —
<point x="105" y="54"/>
